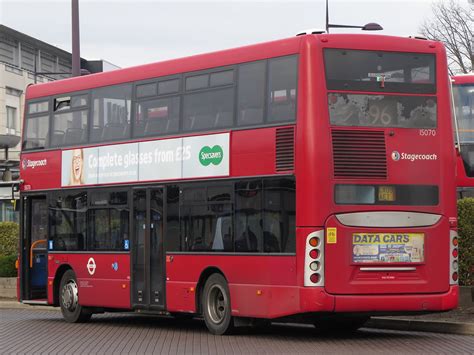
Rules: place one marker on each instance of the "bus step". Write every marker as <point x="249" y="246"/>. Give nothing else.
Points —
<point x="36" y="302"/>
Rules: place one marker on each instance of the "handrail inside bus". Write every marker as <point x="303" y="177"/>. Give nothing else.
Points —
<point x="33" y="245"/>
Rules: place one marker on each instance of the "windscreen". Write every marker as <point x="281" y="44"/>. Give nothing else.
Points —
<point x="357" y="70"/>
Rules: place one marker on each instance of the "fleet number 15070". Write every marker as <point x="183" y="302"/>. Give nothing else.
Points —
<point x="427" y="132"/>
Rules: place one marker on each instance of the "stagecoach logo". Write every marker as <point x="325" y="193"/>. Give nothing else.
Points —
<point x="91" y="266"/>
<point x="396" y="156"/>
<point x="115" y="266"/>
<point x="26" y="163"/>
<point x="208" y="155"/>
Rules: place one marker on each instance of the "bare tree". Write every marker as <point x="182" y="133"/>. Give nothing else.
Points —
<point x="453" y="25"/>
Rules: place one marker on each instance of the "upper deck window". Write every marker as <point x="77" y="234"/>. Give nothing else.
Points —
<point x="111" y="113"/>
<point x="464" y="106"/>
<point x="282" y="83"/>
<point x="38" y="107"/>
<point x="380" y="71"/>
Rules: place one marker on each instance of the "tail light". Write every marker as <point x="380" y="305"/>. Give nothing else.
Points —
<point x="453" y="258"/>
<point x="314" y="259"/>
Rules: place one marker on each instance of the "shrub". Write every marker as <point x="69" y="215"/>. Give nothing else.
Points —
<point x="9" y="233"/>
<point x="7" y="266"/>
<point x="466" y="241"/>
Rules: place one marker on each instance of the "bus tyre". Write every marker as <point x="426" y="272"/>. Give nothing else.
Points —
<point x="72" y="311"/>
<point x="216" y="305"/>
<point x="338" y="324"/>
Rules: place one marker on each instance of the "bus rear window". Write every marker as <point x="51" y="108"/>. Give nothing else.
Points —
<point x="382" y="110"/>
<point x="379" y="71"/>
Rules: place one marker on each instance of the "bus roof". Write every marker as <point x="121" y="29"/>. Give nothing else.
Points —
<point x="225" y="57"/>
<point x="463" y="79"/>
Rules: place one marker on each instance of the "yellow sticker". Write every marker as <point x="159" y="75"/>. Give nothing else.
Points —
<point x="331" y="235"/>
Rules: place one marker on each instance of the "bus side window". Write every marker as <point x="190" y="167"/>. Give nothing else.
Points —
<point x="282" y="89"/>
<point x="251" y="93"/>
<point x="248" y="216"/>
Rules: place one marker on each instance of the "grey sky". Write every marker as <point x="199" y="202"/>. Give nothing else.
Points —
<point x="130" y="32"/>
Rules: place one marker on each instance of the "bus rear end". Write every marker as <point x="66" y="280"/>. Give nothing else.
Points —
<point x="383" y="180"/>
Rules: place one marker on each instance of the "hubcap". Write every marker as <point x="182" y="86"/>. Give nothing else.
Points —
<point x="217" y="303"/>
<point x="69" y="296"/>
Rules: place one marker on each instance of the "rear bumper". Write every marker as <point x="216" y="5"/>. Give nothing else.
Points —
<point x="311" y="302"/>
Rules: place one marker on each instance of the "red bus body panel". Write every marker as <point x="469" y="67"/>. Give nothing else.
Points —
<point x="107" y="286"/>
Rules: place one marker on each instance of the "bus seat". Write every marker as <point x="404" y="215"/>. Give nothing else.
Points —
<point x="113" y="131"/>
<point x="223" y="119"/>
<point x="204" y="122"/>
<point x="57" y="138"/>
<point x="155" y="126"/>
<point x="282" y="112"/>
<point x="74" y="135"/>
<point x="96" y="133"/>
<point x="139" y="129"/>
<point x="250" y="116"/>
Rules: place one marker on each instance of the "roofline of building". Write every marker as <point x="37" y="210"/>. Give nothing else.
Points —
<point x="36" y="43"/>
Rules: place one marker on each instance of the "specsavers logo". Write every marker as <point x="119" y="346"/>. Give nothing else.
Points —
<point x="208" y="155"/>
<point x="26" y="163"/>
<point x="396" y="156"/>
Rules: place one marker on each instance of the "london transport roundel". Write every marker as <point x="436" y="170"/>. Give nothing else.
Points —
<point x="91" y="266"/>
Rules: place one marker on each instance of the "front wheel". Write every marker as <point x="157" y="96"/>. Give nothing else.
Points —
<point x="72" y="311"/>
<point x="216" y="305"/>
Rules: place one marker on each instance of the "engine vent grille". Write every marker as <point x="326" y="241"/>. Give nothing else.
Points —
<point x="285" y="149"/>
<point x="359" y="154"/>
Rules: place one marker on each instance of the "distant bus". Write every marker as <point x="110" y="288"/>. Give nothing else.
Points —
<point x="307" y="179"/>
<point x="463" y="95"/>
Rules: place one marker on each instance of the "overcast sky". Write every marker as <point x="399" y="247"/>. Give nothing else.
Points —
<point x="130" y="32"/>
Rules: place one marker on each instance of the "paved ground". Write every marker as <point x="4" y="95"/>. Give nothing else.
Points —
<point x="44" y="331"/>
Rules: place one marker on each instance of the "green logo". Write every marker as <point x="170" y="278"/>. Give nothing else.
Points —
<point x="208" y="155"/>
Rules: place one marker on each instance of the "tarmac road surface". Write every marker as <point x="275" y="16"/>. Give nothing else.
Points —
<point x="44" y="331"/>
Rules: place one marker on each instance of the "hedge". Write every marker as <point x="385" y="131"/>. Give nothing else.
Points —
<point x="7" y="266"/>
<point x="9" y="232"/>
<point x="466" y="241"/>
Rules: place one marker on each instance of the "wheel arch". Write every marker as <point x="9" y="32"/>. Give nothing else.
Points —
<point x="57" y="281"/>
<point x="205" y="274"/>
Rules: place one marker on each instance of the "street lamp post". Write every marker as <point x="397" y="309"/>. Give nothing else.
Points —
<point x="76" y="53"/>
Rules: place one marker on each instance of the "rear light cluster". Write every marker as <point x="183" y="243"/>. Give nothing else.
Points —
<point x="453" y="258"/>
<point x="314" y="259"/>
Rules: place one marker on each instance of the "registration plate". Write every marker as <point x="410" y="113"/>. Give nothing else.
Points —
<point x="388" y="247"/>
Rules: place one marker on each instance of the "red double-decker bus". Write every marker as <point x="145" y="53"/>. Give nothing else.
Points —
<point x="463" y="100"/>
<point x="306" y="179"/>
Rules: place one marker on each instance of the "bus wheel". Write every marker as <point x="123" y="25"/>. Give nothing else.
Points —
<point x="338" y="324"/>
<point x="72" y="311"/>
<point x="216" y="305"/>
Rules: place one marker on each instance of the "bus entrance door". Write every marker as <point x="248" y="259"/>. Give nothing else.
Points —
<point x="147" y="249"/>
<point x="34" y="266"/>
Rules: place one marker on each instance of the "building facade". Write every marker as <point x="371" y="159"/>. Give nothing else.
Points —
<point x="25" y="60"/>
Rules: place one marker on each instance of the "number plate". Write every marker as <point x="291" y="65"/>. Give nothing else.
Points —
<point x="387" y="193"/>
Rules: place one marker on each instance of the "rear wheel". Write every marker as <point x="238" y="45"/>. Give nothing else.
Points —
<point x="72" y="311"/>
<point x="216" y="305"/>
<point x="337" y="324"/>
